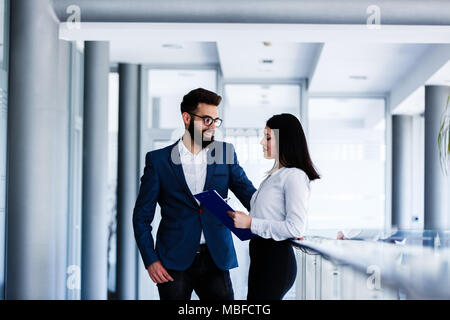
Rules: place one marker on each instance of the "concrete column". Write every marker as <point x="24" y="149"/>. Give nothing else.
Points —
<point x="437" y="189"/>
<point x="128" y="177"/>
<point x="94" y="262"/>
<point x="37" y="155"/>
<point x="402" y="175"/>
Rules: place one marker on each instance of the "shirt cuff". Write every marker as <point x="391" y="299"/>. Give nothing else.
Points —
<point x="256" y="226"/>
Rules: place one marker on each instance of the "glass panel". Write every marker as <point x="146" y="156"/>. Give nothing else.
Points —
<point x="113" y="135"/>
<point x="75" y="173"/>
<point x="347" y="142"/>
<point x="166" y="91"/>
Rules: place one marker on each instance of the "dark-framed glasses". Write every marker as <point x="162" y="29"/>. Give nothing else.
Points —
<point x="208" y="121"/>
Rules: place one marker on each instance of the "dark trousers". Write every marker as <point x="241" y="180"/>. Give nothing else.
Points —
<point x="273" y="269"/>
<point x="203" y="276"/>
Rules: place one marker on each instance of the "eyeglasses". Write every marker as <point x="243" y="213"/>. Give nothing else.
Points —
<point x="207" y="120"/>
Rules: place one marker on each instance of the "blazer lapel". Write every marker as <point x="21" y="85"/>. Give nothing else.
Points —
<point x="175" y="163"/>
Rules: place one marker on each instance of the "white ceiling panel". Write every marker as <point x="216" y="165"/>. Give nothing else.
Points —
<point x="354" y="58"/>
<point x="364" y="67"/>
<point x="275" y="60"/>
<point x="441" y="77"/>
<point x="262" y="96"/>
<point x="135" y="50"/>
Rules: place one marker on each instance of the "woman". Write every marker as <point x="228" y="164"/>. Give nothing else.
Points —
<point x="278" y="209"/>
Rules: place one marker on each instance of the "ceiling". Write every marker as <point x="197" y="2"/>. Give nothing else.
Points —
<point x="364" y="67"/>
<point x="441" y="77"/>
<point x="267" y="96"/>
<point x="336" y="60"/>
<point x="174" y="53"/>
<point x="415" y="102"/>
<point x="267" y="60"/>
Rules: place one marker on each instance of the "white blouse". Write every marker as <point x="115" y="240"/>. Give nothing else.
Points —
<point x="279" y="207"/>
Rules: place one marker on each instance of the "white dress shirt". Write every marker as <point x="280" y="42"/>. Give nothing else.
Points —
<point x="279" y="207"/>
<point x="194" y="169"/>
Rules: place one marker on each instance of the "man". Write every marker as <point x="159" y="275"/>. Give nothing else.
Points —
<point x="194" y="250"/>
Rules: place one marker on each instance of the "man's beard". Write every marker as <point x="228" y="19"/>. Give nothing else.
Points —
<point x="191" y="129"/>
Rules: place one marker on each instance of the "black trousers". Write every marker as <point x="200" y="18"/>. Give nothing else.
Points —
<point x="273" y="269"/>
<point x="203" y="276"/>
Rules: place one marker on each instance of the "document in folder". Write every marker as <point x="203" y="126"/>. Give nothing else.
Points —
<point x="214" y="203"/>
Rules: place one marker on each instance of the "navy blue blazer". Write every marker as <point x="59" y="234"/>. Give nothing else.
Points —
<point x="182" y="219"/>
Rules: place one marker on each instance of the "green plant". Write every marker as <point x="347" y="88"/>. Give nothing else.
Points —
<point x="444" y="139"/>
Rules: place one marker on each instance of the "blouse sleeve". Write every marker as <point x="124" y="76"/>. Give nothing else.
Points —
<point x="296" y="191"/>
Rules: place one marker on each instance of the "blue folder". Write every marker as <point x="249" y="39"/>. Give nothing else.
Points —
<point x="217" y="206"/>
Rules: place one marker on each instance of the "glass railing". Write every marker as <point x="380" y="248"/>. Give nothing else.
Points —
<point x="374" y="265"/>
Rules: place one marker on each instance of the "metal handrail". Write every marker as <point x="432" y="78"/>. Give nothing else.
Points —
<point x="420" y="271"/>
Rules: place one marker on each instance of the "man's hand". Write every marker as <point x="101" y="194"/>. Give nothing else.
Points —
<point x="158" y="273"/>
<point x="241" y="220"/>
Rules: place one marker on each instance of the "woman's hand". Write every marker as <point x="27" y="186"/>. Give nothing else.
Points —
<point x="341" y="236"/>
<point x="241" y="220"/>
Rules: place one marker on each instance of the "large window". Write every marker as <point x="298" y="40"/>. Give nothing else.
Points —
<point x="347" y="142"/>
<point x="251" y="105"/>
<point x="73" y="289"/>
<point x="113" y="137"/>
<point x="166" y="89"/>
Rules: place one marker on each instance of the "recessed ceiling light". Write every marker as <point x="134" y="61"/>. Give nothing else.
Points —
<point x="265" y="87"/>
<point x="172" y="46"/>
<point x="358" y="77"/>
<point x="185" y="74"/>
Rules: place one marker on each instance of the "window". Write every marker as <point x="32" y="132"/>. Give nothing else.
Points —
<point x="113" y="136"/>
<point x="166" y="89"/>
<point x="347" y="145"/>
<point x="75" y="173"/>
<point x="250" y="106"/>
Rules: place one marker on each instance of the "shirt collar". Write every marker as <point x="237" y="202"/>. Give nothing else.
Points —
<point x="183" y="150"/>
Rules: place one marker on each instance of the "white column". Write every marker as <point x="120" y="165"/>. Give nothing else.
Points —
<point x="94" y="273"/>
<point x="37" y="175"/>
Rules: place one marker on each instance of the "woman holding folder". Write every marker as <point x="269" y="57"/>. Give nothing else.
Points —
<point x="278" y="209"/>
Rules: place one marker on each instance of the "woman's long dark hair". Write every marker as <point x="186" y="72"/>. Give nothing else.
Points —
<point x="292" y="147"/>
